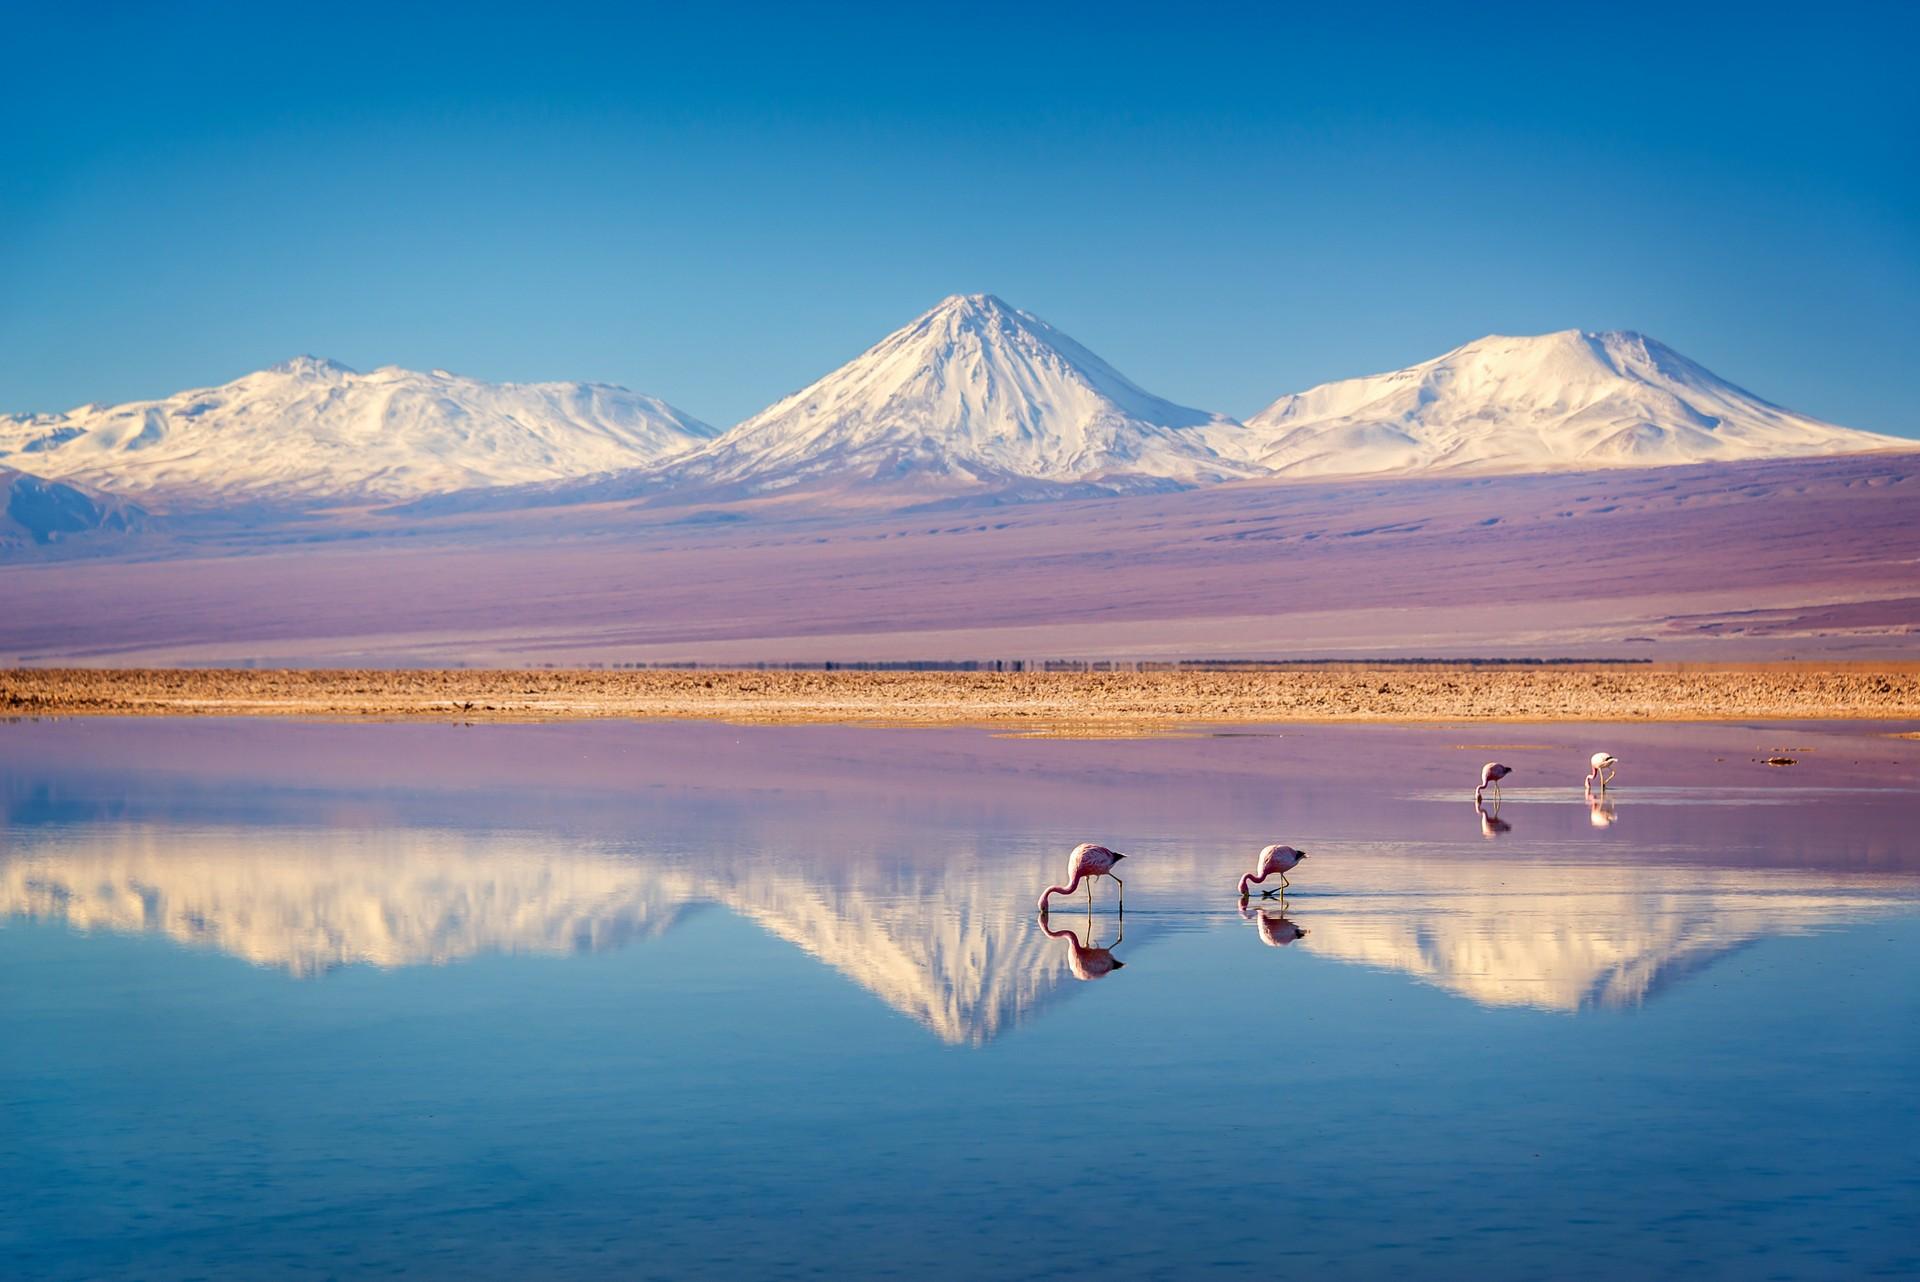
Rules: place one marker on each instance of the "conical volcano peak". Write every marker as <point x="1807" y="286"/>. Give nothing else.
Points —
<point x="972" y="393"/>
<point x="973" y="303"/>
<point x="981" y="315"/>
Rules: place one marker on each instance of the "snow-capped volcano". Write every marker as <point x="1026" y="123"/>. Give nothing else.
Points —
<point x="1563" y="401"/>
<point x="972" y="393"/>
<point x="314" y="431"/>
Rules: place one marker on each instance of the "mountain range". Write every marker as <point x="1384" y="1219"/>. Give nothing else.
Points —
<point x="973" y="398"/>
<point x="312" y="431"/>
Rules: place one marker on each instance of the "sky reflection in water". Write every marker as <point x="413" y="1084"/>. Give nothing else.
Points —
<point x="292" y="999"/>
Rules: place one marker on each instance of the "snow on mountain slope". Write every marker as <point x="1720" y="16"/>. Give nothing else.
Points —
<point x="34" y="510"/>
<point x="314" y="431"/>
<point x="971" y="394"/>
<point x="1565" y="401"/>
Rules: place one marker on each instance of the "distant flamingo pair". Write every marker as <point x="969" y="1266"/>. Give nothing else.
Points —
<point x="1088" y="861"/>
<point x="1602" y="766"/>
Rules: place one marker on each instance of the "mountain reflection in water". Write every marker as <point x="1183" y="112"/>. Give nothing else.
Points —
<point x="953" y="944"/>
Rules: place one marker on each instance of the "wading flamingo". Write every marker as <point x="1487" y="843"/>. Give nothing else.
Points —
<point x="1272" y="860"/>
<point x="1275" y="930"/>
<point x="1490" y="776"/>
<point x="1603" y="768"/>
<point x="1085" y="863"/>
<point x="1083" y="959"/>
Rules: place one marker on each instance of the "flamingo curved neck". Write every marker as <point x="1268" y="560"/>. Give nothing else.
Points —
<point x="1250" y="880"/>
<point x="1067" y="889"/>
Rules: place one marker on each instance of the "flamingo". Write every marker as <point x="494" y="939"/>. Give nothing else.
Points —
<point x="1085" y="863"/>
<point x="1274" y="859"/>
<point x="1603" y="768"/>
<point x="1490" y="776"/>
<point x="1275" y="929"/>
<point x="1084" y="960"/>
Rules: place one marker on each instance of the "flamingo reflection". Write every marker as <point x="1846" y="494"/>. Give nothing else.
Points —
<point x="1491" y="824"/>
<point x="1083" y="959"/>
<point x="1600" y="810"/>
<point x="1275" y="928"/>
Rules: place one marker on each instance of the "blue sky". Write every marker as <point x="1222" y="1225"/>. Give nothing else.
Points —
<point x="716" y="204"/>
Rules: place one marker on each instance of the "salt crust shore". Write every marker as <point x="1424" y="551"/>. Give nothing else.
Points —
<point x="1033" y="702"/>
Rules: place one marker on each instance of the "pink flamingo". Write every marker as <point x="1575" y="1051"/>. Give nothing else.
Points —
<point x="1603" y="764"/>
<point x="1084" y="960"/>
<point x="1085" y="863"/>
<point x="1490" y="776"/>
<point x="1274" y="859"/>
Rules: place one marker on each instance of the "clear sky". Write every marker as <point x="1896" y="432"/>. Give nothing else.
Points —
<point x="718" y="203"/>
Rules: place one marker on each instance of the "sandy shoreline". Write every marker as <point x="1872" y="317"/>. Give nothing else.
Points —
<point x="1093" y="702"/>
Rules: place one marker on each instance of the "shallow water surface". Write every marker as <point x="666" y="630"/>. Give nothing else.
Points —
<point x="312" y="1000"/>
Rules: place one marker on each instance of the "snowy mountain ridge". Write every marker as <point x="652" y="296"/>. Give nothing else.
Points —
<point x="1565" y="401"/>
<point x="972" y="398"/>
<point x="311" y="430"/>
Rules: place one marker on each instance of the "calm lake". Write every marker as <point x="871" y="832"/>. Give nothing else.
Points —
<point x="610" y="1000"/>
